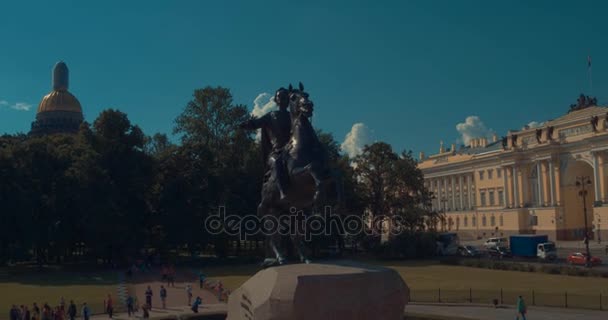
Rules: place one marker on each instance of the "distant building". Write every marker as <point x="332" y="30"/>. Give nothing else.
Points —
<point x="526" y="182"/>
<point x="59" y="111"/>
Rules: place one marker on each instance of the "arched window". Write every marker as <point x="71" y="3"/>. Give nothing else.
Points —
<point x="474" y="221"/>
<point x="484" y="221"/>
<point x="492" y="221"/>
<point x="457" y="223"/>
<point x="501" y="221"/>
<point x="466" y="221"/>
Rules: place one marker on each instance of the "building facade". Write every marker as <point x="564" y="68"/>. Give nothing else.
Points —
<point x="529" y="182"/>
<point x="59" y="111"/>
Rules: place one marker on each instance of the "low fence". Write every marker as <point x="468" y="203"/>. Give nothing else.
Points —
<point x="503" y="297"/>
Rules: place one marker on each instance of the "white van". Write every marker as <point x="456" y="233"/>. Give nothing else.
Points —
<point x="496" y="242"/>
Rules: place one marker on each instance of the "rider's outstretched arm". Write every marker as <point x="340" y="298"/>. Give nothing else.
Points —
<point x="256" y="123"/>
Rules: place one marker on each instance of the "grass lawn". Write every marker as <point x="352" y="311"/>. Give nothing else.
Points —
<point x="459" y="284"/>
<point x="48" y="286"/>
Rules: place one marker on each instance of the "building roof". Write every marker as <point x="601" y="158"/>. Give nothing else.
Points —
<point x="59" y="101"/>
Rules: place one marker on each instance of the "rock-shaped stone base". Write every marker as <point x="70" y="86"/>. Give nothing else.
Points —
<point x="342" y="290"/>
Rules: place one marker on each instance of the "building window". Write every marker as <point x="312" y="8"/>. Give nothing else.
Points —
<point x="498" y="173"/>
<point x="480" y="175"/>
<point x="501" y="198"/>
<point x="491" y="194"/>
<point x="474" y="221"/>
<point x="482" y="196"/>
<point x="466" y="221"/>
<point x="457" y="223"/>
<point x="501" y="221"/>
<point x="484" y="221"/>
<point x="492" y="221"/>
<point x="490" y="174"/>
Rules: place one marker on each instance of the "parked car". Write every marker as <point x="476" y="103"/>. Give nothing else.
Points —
<point x="495" y="242"/>
<point x="579" y="258"/>
<point x="499" y="252"/>
<point x="468" y="251"/>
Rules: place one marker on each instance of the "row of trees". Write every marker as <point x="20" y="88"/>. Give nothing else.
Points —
<point x="110" y="191"/>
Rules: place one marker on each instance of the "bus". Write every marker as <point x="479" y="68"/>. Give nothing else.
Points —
<point x="447" y="244"/>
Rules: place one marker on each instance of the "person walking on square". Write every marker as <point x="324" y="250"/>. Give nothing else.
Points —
<point x="521" y="309"/>
<point x="189" y="294"/>
<point x="149" y="295"/>
<point x="86" y="312"/>
<point x="72" y="310"/>
<point x="109" y="306"/>
<point x="163" y="296"/>
<point x="130" y="309"/>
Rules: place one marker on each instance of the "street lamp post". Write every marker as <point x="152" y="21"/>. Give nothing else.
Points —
<point x="582" y="183"/>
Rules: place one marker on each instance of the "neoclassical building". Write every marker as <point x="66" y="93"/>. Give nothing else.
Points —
<point x="59" y="111"/>
<point x="526" y="182"/>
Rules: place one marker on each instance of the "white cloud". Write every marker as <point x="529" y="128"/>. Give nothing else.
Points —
<point x="473" y="128"/>
<point x="3" y="103"/>
<point x="21" y="106"/>
<point x="263" y="104"/>
<point x="533" y="125"/>
<point x="356" y="139"/>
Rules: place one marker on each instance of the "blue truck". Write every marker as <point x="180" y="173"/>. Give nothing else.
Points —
<point x="532" y="246"/>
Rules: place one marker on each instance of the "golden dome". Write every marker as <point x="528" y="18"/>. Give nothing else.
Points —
<point x="59" y="101"/>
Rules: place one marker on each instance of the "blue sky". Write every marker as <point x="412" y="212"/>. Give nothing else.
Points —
<point x="410" y="71"/>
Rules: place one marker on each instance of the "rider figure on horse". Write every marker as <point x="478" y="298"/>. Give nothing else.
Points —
<point x="276" y="133"/>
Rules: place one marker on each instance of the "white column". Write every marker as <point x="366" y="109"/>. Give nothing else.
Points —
<point x="460" y="193"/>
<point x="516" y="186"/>
<point x="551" y="184"/>
<point x="469" y="188"/>
<point x="539" y="181"/>
<point x="453" y="193"/>
<point x="596" y="177"/>
<point x="505" y="187"/>
<point x="445" y="190"/>
<point x="438" y="197"/>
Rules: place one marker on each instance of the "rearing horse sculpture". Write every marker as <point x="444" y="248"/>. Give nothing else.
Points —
<point x="309" y="176"/>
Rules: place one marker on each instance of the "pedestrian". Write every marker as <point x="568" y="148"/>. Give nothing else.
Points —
<point x="36" y="311"/>
<point x="58" y="314"/>
<point x="521" y="308"/>
<point x="149" y="295"/>
<point x="72" y="310"/>
<point x="196" y="304"/>
<point x="171" y="276"/>
<point x="109" y="306"/>
<point x="189" y="294"/>
<point x="86" y="312"/>
<point x="163" y="296"/>
<point x="130" y="302"/>
<point x="220" y="290"/>
<point x="26" y="313"/>
<point x="13" y="313"/>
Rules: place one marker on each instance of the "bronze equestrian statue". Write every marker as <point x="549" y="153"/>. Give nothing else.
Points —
<point x="298" y="175"/>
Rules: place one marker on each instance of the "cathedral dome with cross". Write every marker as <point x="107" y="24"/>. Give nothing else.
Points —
<point x="59" y="111"/>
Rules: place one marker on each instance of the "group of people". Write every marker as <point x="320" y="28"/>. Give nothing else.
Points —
<point x="46" y="312"/>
